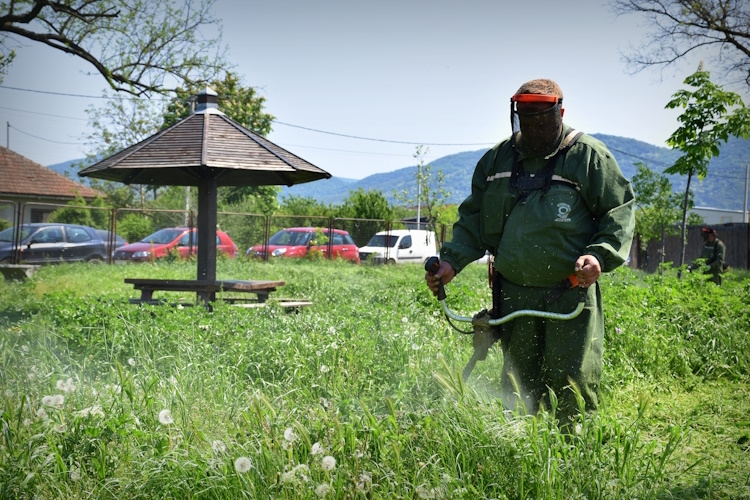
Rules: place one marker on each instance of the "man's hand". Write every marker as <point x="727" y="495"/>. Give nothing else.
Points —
<point x="587" y="270"/>
<point x="445" y="272"/>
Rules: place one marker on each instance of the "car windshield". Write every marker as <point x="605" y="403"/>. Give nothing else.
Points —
<point x="163" y="236"/>
<point x="290" y="238"/>
<point x="383" y="240"/>
<point x="9" y="234"/>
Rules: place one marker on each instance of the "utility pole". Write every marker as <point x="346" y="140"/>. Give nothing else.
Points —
<point x="419" y="194"/>
<point x="7" y="135"/>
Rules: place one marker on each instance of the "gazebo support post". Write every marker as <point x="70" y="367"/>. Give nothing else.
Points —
<point x="207" y="207"/>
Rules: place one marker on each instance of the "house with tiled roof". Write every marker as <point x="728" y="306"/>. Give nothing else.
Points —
<point x="34" y="190"/>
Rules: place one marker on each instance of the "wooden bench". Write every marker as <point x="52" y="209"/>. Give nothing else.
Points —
<point x="206" y="290"/>
<point x="17" y="271"/>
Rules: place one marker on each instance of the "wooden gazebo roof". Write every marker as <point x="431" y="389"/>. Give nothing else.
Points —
<point x="206" y="143"/>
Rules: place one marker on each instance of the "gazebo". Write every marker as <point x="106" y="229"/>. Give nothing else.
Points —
<point x="207" y="149"/>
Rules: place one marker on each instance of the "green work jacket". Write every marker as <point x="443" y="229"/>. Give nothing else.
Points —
<point x="590" y="209"/>
<point x="714" y="253"/>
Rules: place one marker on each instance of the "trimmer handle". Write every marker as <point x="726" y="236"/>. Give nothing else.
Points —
<point x="431" y="266"/>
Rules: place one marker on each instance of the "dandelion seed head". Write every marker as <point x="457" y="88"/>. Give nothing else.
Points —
<point x="324" y="369"/>
<point x="25" y="348"/>
<point x="165" y="417"/>
<point x="218" y="446"/>
<point x="48" y="400"/>
<point x="41" y="413"/>
<point x="323" y="489"/>
<point x="94" y="411"/>
<point x="328" y="463"/>
<point x="317" y="449"/>
<point x="66" y="386"/>
<point x="404" y="320"/>
<point x="242" y="465"/>
<point x="131" y="361"/>
<point x="415" y="347"/>
<point x="364" y="481"/>
<point x="289" y="435"/>
<point x="75" y="475"/>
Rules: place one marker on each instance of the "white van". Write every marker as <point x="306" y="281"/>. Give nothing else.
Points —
<point x="400" y="246"/>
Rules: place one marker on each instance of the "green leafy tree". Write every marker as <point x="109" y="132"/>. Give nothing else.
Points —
<point x="134" y="227"/>
<point x="138" y="46"/>
<point x="659" y="209"/>
<point x="711" y="116"/>
<point x="680" y="28"/>
<point x="430" y="195"/>
<point x="303" y="205"/>
<point x="76" y="213"/>
<point x="239" y="102"/>
<point x="361" y="204"/>
<point x="117" y="125"/>
<point x="5" y="61"/>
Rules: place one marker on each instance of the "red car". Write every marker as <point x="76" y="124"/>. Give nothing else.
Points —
<point x="298" y="241"/>
<point x="164" y="241"/>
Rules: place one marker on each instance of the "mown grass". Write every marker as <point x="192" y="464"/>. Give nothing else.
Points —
<point x="358" y="396"/>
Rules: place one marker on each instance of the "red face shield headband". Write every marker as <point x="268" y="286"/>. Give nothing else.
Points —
<point x="554" y="101"/>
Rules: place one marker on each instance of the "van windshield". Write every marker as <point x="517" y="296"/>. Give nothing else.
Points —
<point x="383" y="240"/>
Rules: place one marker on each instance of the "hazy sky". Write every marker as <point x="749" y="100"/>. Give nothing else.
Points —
<point x="398" y="72"/>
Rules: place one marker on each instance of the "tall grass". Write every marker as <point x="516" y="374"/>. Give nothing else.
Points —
<point x="358" y="396"/>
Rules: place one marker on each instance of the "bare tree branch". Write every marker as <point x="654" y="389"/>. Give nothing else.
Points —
<point x="682" y="27"/>
<point x="138" y="46"/>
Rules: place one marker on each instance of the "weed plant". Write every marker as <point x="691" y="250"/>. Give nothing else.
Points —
<point x="359" y="395"/>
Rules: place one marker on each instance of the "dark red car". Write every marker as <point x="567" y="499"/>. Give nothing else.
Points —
<point x="164" y="241"/>
<point x="299" y="241"/>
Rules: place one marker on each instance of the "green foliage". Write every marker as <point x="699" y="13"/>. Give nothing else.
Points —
<point x="77" y="213"/>
<point x="5" y="61"/>
<point x="706" y="122"/>
<point x="302" y="205"/>
<point x="134" y="227"/>
<point x="4" y="224"/>
<point x="711" y="116"/>
<point x="361" y="204"/>
<point x="162" y="401"/>
<point x="659" y="208"/>
<point x="241" y="104"/>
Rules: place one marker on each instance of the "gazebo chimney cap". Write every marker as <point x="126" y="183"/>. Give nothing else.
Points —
<point x="206" y="102"/>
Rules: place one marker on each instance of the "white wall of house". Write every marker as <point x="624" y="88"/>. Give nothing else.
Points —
<point x="719" y="216"/>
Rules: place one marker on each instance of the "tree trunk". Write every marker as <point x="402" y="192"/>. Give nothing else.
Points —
<point x="684" y="223"/>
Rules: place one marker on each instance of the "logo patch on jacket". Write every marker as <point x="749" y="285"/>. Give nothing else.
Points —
<point x="563" y="209"/>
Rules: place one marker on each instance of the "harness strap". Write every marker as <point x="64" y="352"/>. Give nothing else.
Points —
<point x="525" y="182"/>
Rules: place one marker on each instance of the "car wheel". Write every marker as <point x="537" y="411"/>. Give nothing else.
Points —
<point x="391" y="261"/>
<point x="96" y="259"/>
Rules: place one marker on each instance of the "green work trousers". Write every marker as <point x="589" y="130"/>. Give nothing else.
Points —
<point x="542" y="354"/>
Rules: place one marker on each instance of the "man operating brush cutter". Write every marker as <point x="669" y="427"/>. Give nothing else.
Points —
<point x="553" y="208"/>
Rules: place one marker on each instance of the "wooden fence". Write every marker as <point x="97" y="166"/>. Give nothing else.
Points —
<point x="736" y="237"/>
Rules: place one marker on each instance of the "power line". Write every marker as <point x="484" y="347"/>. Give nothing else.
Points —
<point x="44" y="114"/>
<point x="383" y="140"/>
<point x="48" y="140"/>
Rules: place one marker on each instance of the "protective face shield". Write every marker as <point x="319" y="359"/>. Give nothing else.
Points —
<point x="538" y="118"/>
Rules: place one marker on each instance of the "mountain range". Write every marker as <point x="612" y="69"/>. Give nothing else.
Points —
<point x="723" y="188"/>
